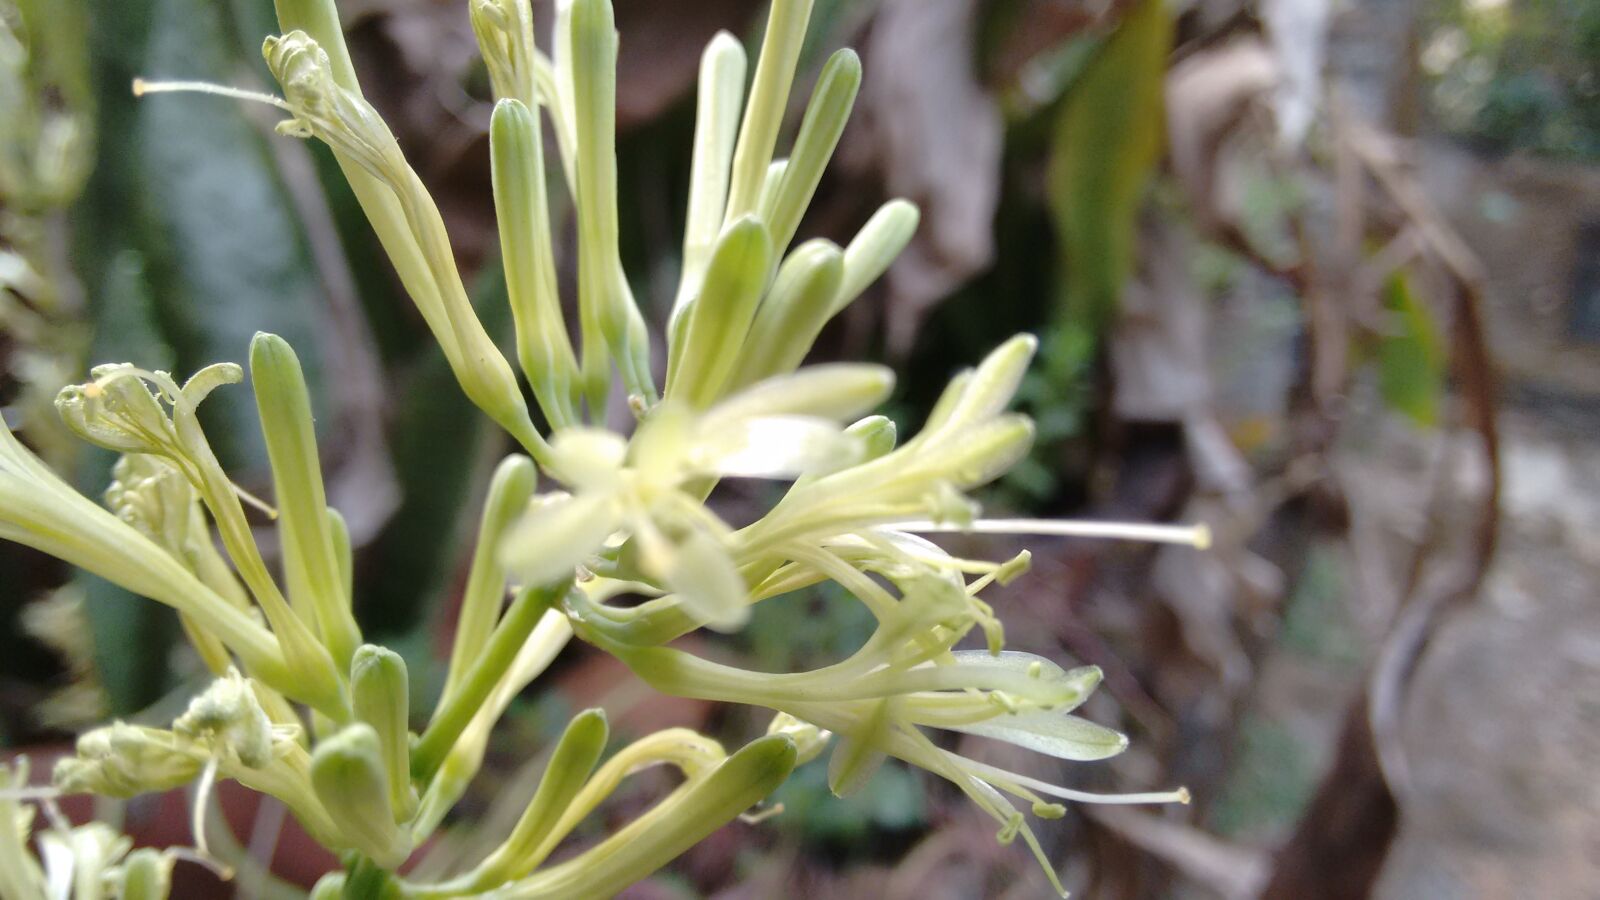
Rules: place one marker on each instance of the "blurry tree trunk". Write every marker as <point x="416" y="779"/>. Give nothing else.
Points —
<point x="1339" y="847"/>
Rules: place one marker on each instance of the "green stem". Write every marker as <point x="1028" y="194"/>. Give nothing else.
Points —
<point x="458" y="710"/>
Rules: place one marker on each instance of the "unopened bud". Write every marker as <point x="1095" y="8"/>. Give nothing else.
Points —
<point x="877" y="435"/>
<point x="350" y="778"/>
<point x="875" y="248"/>
<point x="122" y="760"/>
<point x="146" y="875"/>
<point x="793" y="313"/>
<point x="809" y="740"/>
<point x="380" y="696"/>
<point x="720" y="316"/>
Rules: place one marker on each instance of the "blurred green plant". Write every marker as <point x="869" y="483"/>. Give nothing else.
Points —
<point x="303" y="708"/>
<point x="1517" y="75"/>
<point x="1411" y="356"/>
<point x="1109" y="137"/>
<point x="46" y="143"/>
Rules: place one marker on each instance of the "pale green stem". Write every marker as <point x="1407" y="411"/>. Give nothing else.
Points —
<point x="652" y="840"/>
<point x="509" y="492"/>
<point x="769" y="99"/>
<point x="458" y="710"/>
<point x="571" y="764"/>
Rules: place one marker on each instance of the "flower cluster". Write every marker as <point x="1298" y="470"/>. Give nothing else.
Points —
<point x="304" y="710"/>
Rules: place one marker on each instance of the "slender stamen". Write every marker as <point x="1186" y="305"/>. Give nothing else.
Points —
<point x="58" y="819"/>
<point x="756" y="818"/>
<point x="202" y="797"/>
<point x="216" y="866"/>
<point x="30" y="793"/>
<point x="1196" y="536"/>
<point x="250" y="499"/>
<point x="998" y="775"/>
<point x="142" y="87"/>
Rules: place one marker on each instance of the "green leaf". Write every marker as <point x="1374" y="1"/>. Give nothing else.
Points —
<point x="1411" y="358"/>
<point x="1108" y="139"/>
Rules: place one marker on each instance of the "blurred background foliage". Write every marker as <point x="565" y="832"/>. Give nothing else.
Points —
<point x="1270" y="246"/>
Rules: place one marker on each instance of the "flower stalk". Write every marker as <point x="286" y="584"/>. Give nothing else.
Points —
<point x="630" y="512"/>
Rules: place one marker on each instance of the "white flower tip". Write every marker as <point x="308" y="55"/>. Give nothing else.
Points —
<point x="1202" y="538"/>
<point x="724" y="42"/>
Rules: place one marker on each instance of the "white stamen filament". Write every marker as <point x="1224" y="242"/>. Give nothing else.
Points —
<point x="216" y="866"/>
<point x="202" y="798"/>
<point x="142" y="87"/>
<point x="30" y="793"/>
<point x="998" y="775"/>
<point x="1196" y="536"/>
<point x="252" y="500"/>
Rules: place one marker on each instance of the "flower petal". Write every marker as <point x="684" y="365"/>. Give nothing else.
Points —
<point x="703" y="576"/>
<point x="558" y="537"/>
<point x="778" y="447"/>
<point x="1051" y="733"/>
<point x="858" y="754"/>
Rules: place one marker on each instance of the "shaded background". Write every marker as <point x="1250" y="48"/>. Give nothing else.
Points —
<point x="1322" y="275"/>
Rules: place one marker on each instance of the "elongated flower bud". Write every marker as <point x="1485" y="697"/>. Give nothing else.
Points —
<point x="769" y="98"/>
<point x="835" y="391"/>
<point x="793" y="313"/>
<point x="993" y="385"/>
<point x="349" y="776"/>
<point x="517" y="157"/>
<point x="146" y="875"/>
<point x="720" y="317"/>
<point x="509" y="491"/>
<point x="722" y="71"/>
<point x="573" y="760"/>
<point x="603" y="291"/>
<point x="875" y="248"/>
<point x="820" y="131"/>
<point x="380" y="695"/>
<point x="649" y="842"/>
<point x="310" y="558"/>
